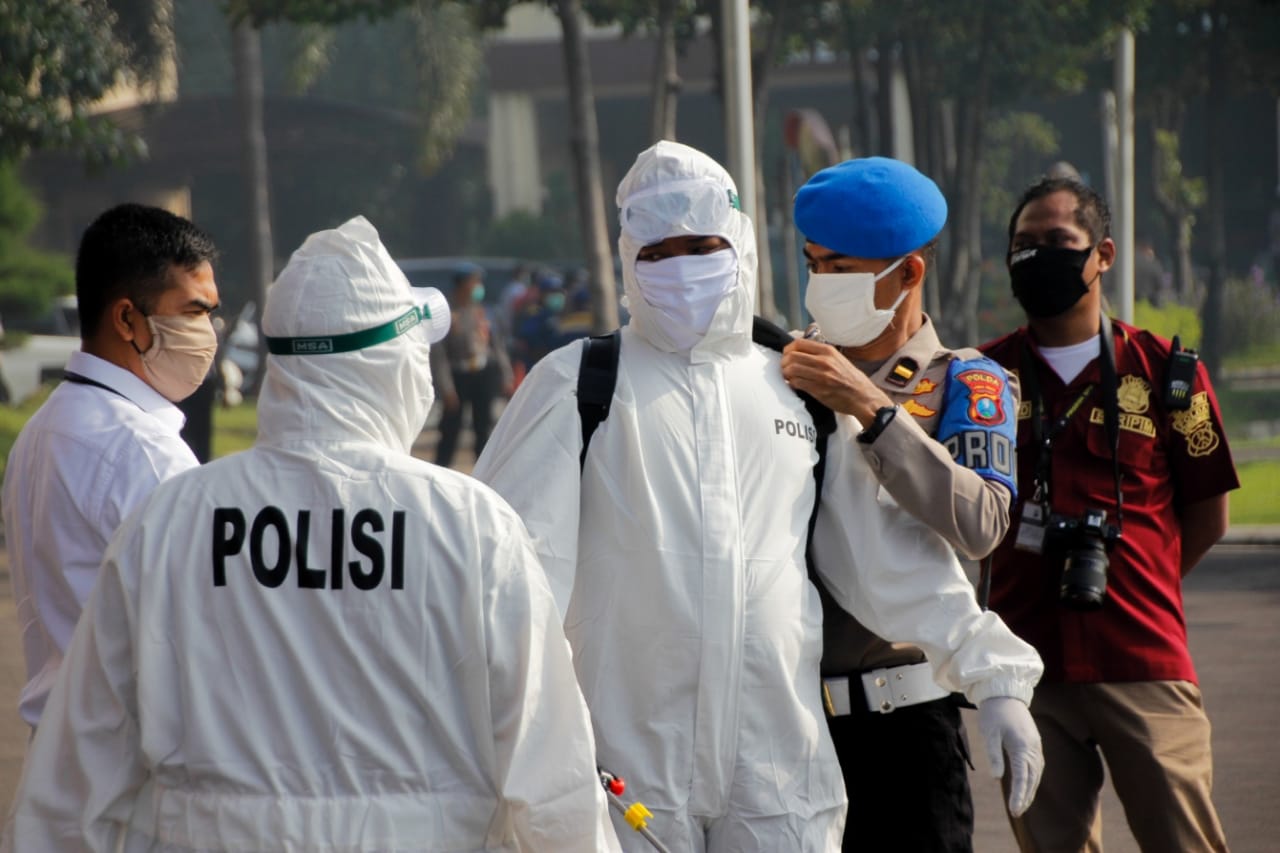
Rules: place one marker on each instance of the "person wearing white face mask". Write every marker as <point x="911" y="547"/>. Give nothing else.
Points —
<point x="676" y="544"/>
<point x="938" y="431"/>
<point x="109" y="433"/>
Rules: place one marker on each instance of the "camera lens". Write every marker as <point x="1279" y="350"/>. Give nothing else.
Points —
<point x="1084" y="577"/>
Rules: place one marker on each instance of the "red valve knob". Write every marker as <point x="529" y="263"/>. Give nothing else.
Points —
<point x="617" y="785"/>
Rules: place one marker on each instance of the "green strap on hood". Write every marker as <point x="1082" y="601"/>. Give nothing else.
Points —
<point x="329" y="344"/>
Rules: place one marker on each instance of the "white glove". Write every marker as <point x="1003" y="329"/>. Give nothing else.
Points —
<point x="1006" y="727"/>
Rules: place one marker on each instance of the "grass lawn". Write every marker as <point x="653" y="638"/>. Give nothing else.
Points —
<point x="234" y="428"/>
<point x="1257" y="501"/>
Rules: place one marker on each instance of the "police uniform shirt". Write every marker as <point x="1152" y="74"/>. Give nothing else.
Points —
<point x="83" y="462"/>
<point x="915" y="469"/>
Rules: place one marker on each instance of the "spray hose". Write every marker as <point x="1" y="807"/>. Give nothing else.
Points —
<point x="636" y="815"/>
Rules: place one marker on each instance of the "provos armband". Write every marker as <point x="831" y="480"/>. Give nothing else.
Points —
<point x="978" y="425"/>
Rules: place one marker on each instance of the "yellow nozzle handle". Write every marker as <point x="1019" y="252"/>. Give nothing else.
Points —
<point x="637" y="816"/>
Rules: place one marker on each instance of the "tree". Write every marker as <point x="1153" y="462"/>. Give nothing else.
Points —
<point x="60" y="57"/>
<point x="584" y="143"/>
<point x="1213" y="49"/>
<point x="963" y="65"/>
<point x="29" y="279"/>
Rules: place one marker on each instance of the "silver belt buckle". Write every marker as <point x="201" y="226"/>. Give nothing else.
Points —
<point x="900" y="687"/>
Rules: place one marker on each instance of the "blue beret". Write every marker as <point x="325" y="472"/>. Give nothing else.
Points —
<point x="872" y="207"/>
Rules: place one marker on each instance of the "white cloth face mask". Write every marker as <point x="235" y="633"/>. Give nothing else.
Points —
<point x="844" y="305"/>
<point x="686" y="290"/>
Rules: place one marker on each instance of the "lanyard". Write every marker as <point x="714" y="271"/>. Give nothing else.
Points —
<point x="85" y="380"/>
<point x="1045" y="432"/>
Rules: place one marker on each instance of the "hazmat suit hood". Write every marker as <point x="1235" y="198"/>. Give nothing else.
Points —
<point x="671" y="170"/>
<point x="338" y="284"/>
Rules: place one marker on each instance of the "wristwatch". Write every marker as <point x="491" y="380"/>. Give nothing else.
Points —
<point x="884" y="415"/>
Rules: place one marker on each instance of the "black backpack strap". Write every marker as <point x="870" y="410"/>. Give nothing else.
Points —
<point x="597" y="376"/>
<point x="774" y="337"/>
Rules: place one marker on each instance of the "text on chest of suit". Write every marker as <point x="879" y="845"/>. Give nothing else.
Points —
<point x="274" y="546"/>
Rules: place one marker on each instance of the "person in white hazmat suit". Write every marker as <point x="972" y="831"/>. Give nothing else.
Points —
<point x="322" y="643"/>
<point x="677" y="556"/>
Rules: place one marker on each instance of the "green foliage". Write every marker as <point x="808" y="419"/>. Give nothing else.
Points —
<point x="448" y="58"/>
<point x="1169" y="320"/>
<point x="12" y="420"/>
<point x="1250" y="316"/>
<point x="29" y="278"/>
<point x="1015" y="145"/>
<point x="58" y="58"/>
<point x="554" y="235"/>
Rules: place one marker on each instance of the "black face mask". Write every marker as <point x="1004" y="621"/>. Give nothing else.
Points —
<point x="1048" y="280"/>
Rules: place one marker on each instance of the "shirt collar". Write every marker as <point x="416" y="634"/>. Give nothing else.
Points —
<point x="920" y="348"/>
<point x="129" y="386"/>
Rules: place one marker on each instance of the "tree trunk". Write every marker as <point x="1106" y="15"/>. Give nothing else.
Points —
<point x="884" y="97"/>
<point x="959" y="320"/>
<point x="1211" y="347"/>
<point x="761" y="65"/>
<point x="584" y="143"/>
<point x="666" y="76"/>
<point x="247" y="58"/>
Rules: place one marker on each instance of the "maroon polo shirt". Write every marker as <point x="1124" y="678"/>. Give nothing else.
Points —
<point x="1167" y="460"/>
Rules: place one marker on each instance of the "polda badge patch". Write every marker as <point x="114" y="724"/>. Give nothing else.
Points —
<point x="985" y="408"/>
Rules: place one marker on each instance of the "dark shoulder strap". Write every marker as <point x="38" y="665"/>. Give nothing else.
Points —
<point x="770" y="335"/>
<point x="597" y="376"/>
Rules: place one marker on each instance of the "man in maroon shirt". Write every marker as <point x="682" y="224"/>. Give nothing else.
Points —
<point x="1123" y="479"/>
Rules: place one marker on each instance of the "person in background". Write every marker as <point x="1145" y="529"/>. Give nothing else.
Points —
<point x="471" y="367"/>
<point x="1123" y="473"/>
<point x="939" y="437"/>
<point x="110" y="432"/>
<point x="321" y="643"/>
<point x="538" y="328"/>
<point x="675" y="545"/>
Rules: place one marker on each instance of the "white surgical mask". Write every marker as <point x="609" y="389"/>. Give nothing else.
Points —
<point x="844" y="305"/>
<point x="182" y="348"/>
<point x="686" y="290"/>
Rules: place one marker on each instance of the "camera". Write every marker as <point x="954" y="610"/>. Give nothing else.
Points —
<point x="1083" y="542"/>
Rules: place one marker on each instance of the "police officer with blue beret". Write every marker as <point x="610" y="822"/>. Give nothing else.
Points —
<point x="938" y="430"/>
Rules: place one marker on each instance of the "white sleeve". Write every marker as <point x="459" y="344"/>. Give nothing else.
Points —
<point x="543" y="741"/>
<point x="532" y="460"/>
<point x="85" y="766"/>
<point x="903" y="581"/>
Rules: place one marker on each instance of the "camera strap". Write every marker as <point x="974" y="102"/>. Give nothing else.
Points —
<point x="1045" y="430"/>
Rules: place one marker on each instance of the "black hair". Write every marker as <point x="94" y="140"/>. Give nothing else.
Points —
<point x="127" y="252"/>
<point x="1092" y="213"/>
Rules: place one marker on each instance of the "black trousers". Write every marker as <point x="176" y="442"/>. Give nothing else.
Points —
<point x="476" y="391"/>
<point x="907" y="777"/>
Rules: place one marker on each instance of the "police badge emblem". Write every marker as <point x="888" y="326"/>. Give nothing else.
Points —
<point x="985" y="408"/>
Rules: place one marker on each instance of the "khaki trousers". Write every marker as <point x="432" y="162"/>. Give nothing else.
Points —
<point x="1154" y="736"/>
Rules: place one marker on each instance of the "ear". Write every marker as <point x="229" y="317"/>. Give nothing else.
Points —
<point x="1106" y="254"/>
<point x="119" y="316"/>
<point x="913" y="270"/>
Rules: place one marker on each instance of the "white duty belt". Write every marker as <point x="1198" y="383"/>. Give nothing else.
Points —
<point x="882" y="690"/>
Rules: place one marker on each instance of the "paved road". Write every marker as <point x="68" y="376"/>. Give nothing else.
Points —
<point x="1233" y="615"/>
<point x="1232" y="601"/>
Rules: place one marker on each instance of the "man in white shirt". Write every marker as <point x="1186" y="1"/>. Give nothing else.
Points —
<point x="321" y="643"/>
<point x="109" y="434"/>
